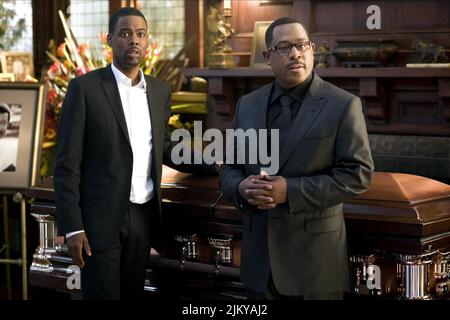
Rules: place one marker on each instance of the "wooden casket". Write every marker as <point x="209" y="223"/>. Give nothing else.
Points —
<point x="399" y="240"/>
<point x="399" y="237"/>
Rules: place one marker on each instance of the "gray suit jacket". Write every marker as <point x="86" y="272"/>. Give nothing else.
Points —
<point x="327" y="161"/>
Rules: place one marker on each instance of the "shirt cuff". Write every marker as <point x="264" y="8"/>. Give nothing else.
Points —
<point x="73" y="233"/>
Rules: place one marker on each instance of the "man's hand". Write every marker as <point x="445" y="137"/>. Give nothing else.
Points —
<point x="75" y="245"/>
<point x="256" y="193"/>
<point x="278" y="192"/>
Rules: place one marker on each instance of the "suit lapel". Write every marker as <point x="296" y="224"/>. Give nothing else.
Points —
<point x="309" y="110"/>
<point x="262" y="104"/>
<point x="112" y="94"/>
<point x="156" y="110"/>
<point x="156" y="107"/>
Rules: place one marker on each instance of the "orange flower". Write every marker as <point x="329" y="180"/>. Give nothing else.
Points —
<point x="61" y="51"/>
<point x="82" y="48"/>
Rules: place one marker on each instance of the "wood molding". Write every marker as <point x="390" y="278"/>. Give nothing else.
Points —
<point x="192" y="23"/>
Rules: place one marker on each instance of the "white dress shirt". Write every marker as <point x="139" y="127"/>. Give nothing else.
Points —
<point x="137" y="117"/>
<point x="8" y="156"/>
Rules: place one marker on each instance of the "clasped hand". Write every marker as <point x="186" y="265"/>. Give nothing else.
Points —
<point x="263" y="191"/>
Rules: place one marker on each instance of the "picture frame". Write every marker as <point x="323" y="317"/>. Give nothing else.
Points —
<point x="19" y="63"/>
<point x="6" y="77"/>
<point x="258" y="45"/>
<point x="21" y="135"/>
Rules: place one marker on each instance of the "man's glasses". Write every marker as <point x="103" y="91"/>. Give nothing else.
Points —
<point x="285" y="48"/>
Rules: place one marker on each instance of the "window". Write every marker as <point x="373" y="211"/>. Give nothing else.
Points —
<point x="165" y="23"/>
<point x="23" y="10"/>
<point x="87" y="19"/>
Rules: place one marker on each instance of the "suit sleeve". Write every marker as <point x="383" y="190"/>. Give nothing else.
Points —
<point x="231" y="175"/>
<point x="69" y="154"/>
<point x="350" y="175"/>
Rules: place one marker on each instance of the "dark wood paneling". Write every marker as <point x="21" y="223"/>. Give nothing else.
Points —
<point x="192" y="29"/>
<point x="331" y="20"/>
<point x="351" y="16"/>
<point x="114" y="5"/>
<point x="401" y="21"/>
<point x="245" y="13"/>
<point x="395" y="100"/>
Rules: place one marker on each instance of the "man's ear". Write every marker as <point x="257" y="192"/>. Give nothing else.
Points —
<point x="266" y="56"/>
<point x="109" y="39"/>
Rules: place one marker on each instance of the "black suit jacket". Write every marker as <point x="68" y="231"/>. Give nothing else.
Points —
<point x="94" y="159"/>
<point x="327" y="161"/>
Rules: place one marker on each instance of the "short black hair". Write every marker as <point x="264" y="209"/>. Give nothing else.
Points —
<point x="123" y="12"/>
<point x="5" y="109"/>
<point x="276" y="23"/>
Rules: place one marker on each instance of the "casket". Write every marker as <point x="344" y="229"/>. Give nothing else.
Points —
<point x="399" y="237"/>
<point x="399" y="240"/>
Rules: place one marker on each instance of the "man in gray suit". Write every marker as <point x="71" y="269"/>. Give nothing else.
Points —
<point x="294" y="240"/>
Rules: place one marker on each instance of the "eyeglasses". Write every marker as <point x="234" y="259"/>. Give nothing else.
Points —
<point x="285" y="48"/>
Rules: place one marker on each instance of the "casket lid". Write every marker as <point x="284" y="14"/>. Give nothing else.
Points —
<point x="411" y="189"/>
<point x="402" y="205"/>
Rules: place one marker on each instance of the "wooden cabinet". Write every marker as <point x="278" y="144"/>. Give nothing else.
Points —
<point x="408" y="101"/>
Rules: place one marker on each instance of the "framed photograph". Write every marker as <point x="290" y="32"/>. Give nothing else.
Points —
<point x="6" y="77"/>
<point x="258" y="45"/>
<point x="22" y="113"/>
<point x="18" y="63"/>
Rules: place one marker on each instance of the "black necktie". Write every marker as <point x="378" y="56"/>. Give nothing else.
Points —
<point x="284" y="119"/>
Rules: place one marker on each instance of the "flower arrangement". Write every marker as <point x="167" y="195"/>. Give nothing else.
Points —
<point x="70" y="60"/>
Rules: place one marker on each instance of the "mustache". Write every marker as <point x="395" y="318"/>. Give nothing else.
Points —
<point x="292" y="63"/>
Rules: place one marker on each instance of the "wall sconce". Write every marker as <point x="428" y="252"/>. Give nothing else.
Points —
<point x="221" y="56"/>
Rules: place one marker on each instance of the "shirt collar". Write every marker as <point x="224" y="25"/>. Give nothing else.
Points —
<point x="296" y="92"/>
<point x="122" y="78"/>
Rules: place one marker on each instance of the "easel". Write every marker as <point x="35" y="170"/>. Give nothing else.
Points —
<point x="17" y="197"/>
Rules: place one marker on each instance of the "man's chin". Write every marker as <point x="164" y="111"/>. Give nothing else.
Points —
<point x="132" y="63"/>
<point x="298" y="78"/>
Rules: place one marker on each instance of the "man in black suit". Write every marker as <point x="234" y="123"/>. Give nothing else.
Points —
<point x="294" y="239"/>
<point x="112" y="143"/>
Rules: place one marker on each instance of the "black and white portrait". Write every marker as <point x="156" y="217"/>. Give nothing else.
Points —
<point x="10" y="116"/>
